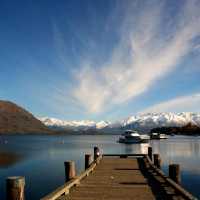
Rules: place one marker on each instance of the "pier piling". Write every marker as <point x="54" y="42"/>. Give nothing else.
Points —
<point x="150" y="153"/>
<point x="174" y="173"/>
<point x="70" y="171"/>
<point x="96" y="153"/>
<point x="110" y="176"/>
<point x="157" y="160"/>
<point x="88" y="160"/>
<point x="15" y="188"/>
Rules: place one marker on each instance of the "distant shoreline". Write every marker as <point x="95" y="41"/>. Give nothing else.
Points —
<point x="54" y="134"/>
<point x="64" y="134"/>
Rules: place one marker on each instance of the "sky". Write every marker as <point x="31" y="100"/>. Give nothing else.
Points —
<point x="100" y="59"/>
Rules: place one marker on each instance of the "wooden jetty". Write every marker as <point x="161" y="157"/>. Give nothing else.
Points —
<point x="121" y="176"/>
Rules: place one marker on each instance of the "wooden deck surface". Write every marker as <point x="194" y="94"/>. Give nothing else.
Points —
<point x="113" y="179"/>
<point x="121" y="177"/>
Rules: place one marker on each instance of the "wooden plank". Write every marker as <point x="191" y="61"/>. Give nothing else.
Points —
<point x="64" y="189"/>
<point x="120" y="176"/>
<point x="170" y="182"/>
<point x="114" y="178"/>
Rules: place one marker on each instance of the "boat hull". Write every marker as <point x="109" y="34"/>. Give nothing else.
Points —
<point x="132" y="141"/>
<point x="158" y="137"/>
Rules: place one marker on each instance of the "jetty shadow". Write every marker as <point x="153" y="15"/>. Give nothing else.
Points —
<point x="155" y="186"/>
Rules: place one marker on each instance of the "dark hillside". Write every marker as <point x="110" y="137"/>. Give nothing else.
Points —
<point x="14" y="119"/>
<point x="189" y="129"/>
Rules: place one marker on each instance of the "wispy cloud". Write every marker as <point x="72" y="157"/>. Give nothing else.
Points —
<point x="151" y="45"/>
<point x="181" y="104"/>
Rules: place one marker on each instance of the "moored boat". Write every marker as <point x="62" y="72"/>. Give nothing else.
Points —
<point x="158" y="136"/>
<point x="132" y="137"/>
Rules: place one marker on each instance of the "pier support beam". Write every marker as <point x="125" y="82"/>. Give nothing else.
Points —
<point x="96" y="153"/>
<point x="157" y="160"/>
<point x="15" y="188"/>
<point x="174" y="173"/>
<point x="70" y="171"/>
<point x="88" y="160"/>
<point x="150" y="153"/>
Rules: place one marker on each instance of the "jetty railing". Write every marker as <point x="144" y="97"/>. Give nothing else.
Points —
<point x="64" y="189"/>
<point x="170" y="181"/>
<point x="152" y="164"/>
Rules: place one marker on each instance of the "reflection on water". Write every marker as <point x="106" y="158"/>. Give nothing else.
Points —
<point x="136" y="148"/>
<point x="182" y="150"/>
<point x="46" y="154"/>
<point x="8" y="159"/>
<point x="144" y="148"/>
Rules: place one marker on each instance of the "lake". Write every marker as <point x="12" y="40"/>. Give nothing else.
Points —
<point x="41" y="158"/>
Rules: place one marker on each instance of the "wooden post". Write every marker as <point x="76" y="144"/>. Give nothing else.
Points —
<point x="88" y="160"/>
<point x="15" y="188"/>
<point x="70" y="171"/>
<point x="157" y="160"/>
<point x="174" y="173"/>
<point x="150" y="153"/>
<point x="96" y="153"/>
<point x="159" y="163"/>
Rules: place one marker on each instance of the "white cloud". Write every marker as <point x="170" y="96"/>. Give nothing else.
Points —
<point x="197" y="47"/>
<point x="181" y="104"/>
<point x="152" y="53"/>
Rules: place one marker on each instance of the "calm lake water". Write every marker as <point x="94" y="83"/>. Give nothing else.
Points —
<point x="41" y="158"/>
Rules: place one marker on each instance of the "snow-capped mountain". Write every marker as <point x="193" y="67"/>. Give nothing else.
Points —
<point x="62" y="124"/>
<point x="102" y="124"/>
<point x="164" y="119"/>
<point x="148" y="121"/>
<point x="145" y="122"/>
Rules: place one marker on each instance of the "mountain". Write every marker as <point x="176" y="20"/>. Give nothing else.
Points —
<point x="189" y="129"/>
<point x="14" y="119"/>
<point x="72" y="125"/>
<point x="148" y="121"/>
<point x="143" y="122"/>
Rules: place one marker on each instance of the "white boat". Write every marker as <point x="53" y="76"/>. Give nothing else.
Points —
<point x="163" y="136"/>
<point x="158" y="136"/>
<point x="132" y="137"/>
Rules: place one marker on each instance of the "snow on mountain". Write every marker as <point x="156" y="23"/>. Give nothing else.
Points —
<point x="102" y="124"/>
<point x="145" y="121"/>
<point x="153" y="120"/>
<point x="53" y="122"/>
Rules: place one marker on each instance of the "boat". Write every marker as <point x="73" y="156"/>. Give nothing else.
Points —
<point x="158" y="136"/>
<point x="132" y="137"/>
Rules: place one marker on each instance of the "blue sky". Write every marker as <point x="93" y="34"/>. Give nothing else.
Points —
<point x="103" y="59"/>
